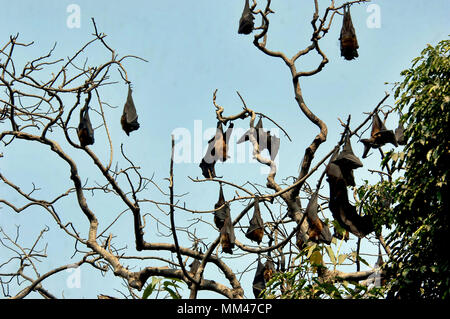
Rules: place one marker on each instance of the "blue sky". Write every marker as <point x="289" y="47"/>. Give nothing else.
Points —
<point x="193" y="48"/>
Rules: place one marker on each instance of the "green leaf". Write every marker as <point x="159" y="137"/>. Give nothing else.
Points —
<point x="316" y="258"/>
<point x="172" y="293"/>
<point x="331" y="254"/>
<point x="150" y="287"/>
<point x="311" y="250"/>
<point x="342" y="258"/>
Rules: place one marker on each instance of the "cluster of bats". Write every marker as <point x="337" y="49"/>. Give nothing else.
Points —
<point x="339" y="170"/>
<point x="348" y="40"/>
<point x="218" y="146"/>
<point x="128" y="121"/>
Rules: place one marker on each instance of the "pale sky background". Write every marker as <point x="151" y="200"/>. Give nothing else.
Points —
<point x="193" y="48"/>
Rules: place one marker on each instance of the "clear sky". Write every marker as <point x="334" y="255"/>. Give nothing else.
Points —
<point x="193" y="48"/>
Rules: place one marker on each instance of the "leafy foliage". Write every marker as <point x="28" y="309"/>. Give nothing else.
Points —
<point x="302" y="283"/>
<point x="419" y="265"/>
<point x="169" y="285"/>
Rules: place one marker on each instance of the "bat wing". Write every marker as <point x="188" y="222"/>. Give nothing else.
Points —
<point x="244" y="137"/>
<point x="346" y="158"/>
<point x="208" y="161"/>
<point x="400" y="135"/>
<point x="227" y="237"/>
<point x="319" y="231"/>
<point x="222" y="213"/>
<point x="274" y="146"/>
<point x="258" y="281"/>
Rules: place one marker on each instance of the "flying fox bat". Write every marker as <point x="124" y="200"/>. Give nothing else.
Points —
<point x="318" y="230"/>
<point x="258" y="281"/>
<point x="129" y="116"/>
<point x="347" y="162"/>
<point x="217" y="150"/>
<point x="221" y="214"/>
<point x="227" y="237"/>
<point x="255" y="231"/>
<point x="264" y="139"/>
<point x="85" y="132"/>
<point x="349" y="42"/>
<point x="379" y="136"/>
<point x="246" y="23"/>
<point x="343" y="212"/>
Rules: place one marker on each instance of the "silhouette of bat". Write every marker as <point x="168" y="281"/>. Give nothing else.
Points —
<point x="347" y="162"/>
<point x="221" y="214"/>
<point x="216" y="151"/>
<point x="264" y="139"/>
<point x="349" y="42"/>
<point x="85" y="132"/>
<point x="258" y="281"/>
<point x="318" y="230"/>
<point x="255" y="231"/>
<point x="246" y="23"/>
<point x="227" y="237"/>
<point x="379" y="136"/>
<point x="343" y="212"/>
<point x="129" y="116"/>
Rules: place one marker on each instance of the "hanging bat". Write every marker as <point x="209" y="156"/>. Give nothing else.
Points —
<point x="400" y="135"/>
<point x="255" y="231"/>
<point x="299" y="240"/>
<point x="379" y="136"/>
<point x="264" y="139"/>
<point x="246" y="22"/>
<point x="349" y="42"/>
<point x="227" y="237"/>
<point x="85" y="132"/>
<point x="259" y="284"/>
<point x="347" y="162"/>
<point x="217" y="150"/>
<point x="349" y="219"/>
<point x="129" y="116"/>
<point x="343" y="212"/>
<point x="221" y="214"/>
<point x="318" y="230"/>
